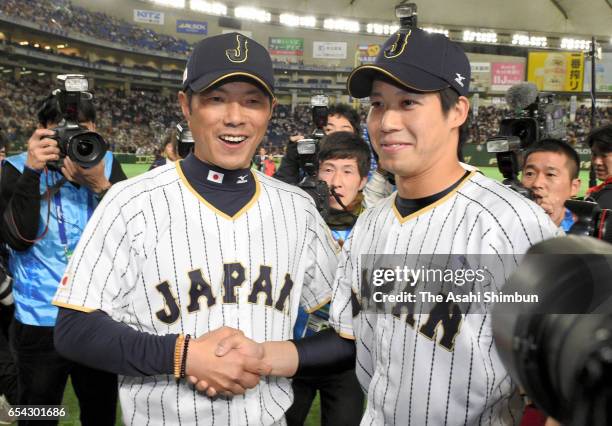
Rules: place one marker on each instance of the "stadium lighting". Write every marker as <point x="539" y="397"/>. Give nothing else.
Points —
<point x="6" y="71"/>
<point x="210" y="8"/>
<point x="297" y="21"/>
<point x="23" y="43"/>
<point x="170" y="3"/>
<point x="252" y="14"/>
<point x="480" y="37"/>
<point x="525" y="40"/>
<point x="341" y="25"/>
<point x="575" y="44"/>
<point x="381" y="29"/>
<point x="436" y="30"/>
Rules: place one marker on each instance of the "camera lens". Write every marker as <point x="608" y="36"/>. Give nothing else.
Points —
<point x="87" y="148"/>
<point x="84" y="148"/>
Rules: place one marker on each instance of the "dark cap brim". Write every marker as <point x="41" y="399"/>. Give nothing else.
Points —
<point x="360" y="81"/>
<point x="208" y="80"/>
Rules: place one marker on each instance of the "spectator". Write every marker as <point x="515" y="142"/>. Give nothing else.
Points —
<point x="600" y="142"/>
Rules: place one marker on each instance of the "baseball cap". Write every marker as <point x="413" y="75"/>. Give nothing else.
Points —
<point x="417" y="60"/>
<point x="216" y="58"/>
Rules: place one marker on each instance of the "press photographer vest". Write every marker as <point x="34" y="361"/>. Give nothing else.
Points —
<point x="38" y="270"/>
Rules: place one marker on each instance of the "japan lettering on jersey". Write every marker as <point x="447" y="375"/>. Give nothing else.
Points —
<point x="439" y="367"/>
<point x="161" y="259"/>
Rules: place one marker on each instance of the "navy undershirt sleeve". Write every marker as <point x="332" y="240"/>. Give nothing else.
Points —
<point x="324" y="353"/>
<point x="88" y="338"/>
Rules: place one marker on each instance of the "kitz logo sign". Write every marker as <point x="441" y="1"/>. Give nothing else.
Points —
<point x="191" y="27"/>
<point x="149" y="16"/>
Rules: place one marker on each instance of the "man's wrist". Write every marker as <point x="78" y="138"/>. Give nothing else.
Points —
<point x="101" y="189"/>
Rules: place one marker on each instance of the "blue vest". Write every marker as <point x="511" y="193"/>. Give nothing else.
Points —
<point x="38" y="270"/>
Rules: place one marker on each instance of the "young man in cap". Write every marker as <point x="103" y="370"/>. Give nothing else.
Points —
<point x="127" y="309"/>
<point x="421" y="363"/>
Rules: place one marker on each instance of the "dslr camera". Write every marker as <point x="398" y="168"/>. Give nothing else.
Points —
<point x="537" y="117"/>
<point x="81" y="145"/>
<point x="308" y="158"/>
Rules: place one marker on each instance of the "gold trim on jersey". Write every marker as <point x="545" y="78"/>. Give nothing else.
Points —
<point x="319" y="306"/>
<point x="403" y="220"/>
<point x="213" y="208"/>
<point x="73" y="307"/>
<point x="346" y="336"/>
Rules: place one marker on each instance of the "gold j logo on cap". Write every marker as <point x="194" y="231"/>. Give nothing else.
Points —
<point x="240" y="53"/>
<point x="398" y="46"/>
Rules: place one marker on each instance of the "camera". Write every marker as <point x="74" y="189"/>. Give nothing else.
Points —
<point x="308" y="156"/>
<point x="407" y="14"/>
<point x="184" y="140"/>
<point x="82" y="146"/>
<point x="537" y="117"/>
<point x="559" y="350"/>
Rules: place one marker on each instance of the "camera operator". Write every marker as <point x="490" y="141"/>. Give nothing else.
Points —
<point x="344" y="162"/>
<point x="550" y="171"/>
<point x="340" y="117"/>
<point x="600" y="142"/>
<point x="42" y="231"/>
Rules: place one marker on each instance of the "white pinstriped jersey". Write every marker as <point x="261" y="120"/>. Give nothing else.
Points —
<point x="159" y="258"/>
<point x="412" y="378"/>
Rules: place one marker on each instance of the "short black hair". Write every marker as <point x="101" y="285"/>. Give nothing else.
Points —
<point x="49" y="111"/>
<point x="600" y="140"/>
<point x="345" y="145"/>
<point x="347" y="112"/>
<point x="560" y="147"/>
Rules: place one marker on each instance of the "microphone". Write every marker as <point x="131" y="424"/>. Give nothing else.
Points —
<point x="520" y="96"/>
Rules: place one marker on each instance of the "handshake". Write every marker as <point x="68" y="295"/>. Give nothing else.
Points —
<point x="226" y="362"/>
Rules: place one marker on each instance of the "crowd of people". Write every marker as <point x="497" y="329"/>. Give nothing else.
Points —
<point x="138" y="121"/>
<point x="62" y="15"/>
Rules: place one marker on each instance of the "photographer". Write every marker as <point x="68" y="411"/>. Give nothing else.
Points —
<point x="168" y="151"/>
<point x="550" y="171"/>
<point x="340" y="118"/>
<point x="45" y="212"/>
<point x="600" y="142"/>
<point x="344" y="162"/>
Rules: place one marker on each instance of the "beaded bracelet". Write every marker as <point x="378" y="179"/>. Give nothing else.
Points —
<point x="184" y="358"/>
<point x="178" y="352"/>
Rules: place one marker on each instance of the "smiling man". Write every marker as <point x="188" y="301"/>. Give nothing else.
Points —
<point x="174" y="257"/>
<point x="438" y="366"/>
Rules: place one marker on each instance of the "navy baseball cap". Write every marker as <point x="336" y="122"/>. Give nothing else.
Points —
<point x="217" y="58"/>
<point x="417" y="60"/>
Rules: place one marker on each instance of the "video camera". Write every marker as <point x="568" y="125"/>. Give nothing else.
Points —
<point x="559" y="350"/>
<point x="308" y="158"/>
<point x="184" y="140"/>
<point x="82" y="146"/>
<point x="536" y="117"/>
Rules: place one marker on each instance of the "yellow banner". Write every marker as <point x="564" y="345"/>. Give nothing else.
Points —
<point x="556" y="71"/>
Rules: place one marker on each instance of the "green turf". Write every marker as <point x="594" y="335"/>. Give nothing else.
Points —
<point x="132" y="170"/>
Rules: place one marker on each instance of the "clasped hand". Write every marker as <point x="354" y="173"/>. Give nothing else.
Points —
<point x="225" y="362"/>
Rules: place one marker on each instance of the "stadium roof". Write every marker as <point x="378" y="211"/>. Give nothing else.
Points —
<point x="571" y="17"/>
